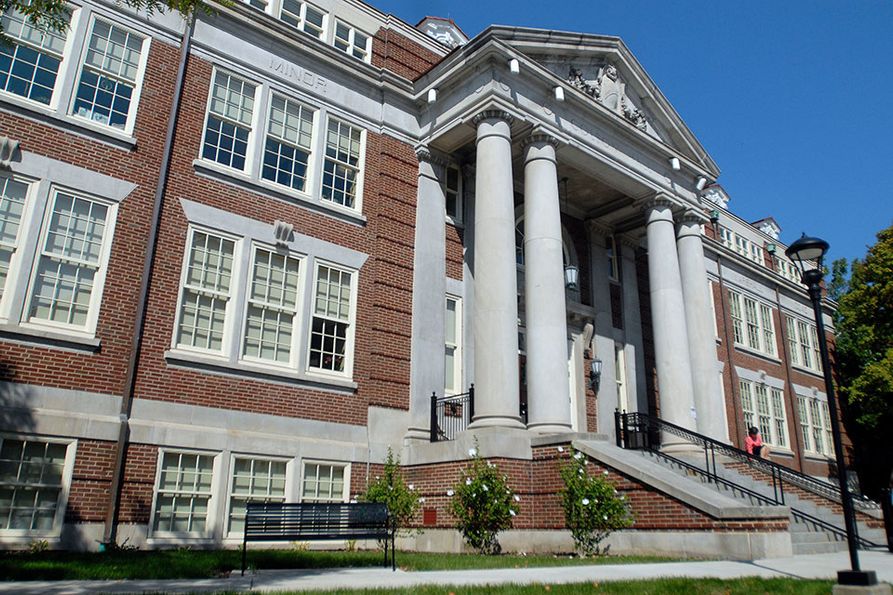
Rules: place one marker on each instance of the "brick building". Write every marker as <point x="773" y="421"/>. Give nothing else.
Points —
<point x="239" y="255"/>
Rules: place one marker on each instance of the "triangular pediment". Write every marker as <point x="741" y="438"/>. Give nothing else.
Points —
<point x="604" y="70"/>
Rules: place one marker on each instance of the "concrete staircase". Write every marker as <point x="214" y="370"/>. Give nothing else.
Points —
<point x="807" y="536"/>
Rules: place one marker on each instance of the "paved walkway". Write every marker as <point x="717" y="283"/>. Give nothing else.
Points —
<point x="813" y="566"/>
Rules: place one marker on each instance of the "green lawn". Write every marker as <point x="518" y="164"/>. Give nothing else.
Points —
<point x="747" y="586"/>
<point x="183" y="563"/>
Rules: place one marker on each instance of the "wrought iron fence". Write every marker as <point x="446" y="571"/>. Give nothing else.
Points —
<point x="451" y="414"/>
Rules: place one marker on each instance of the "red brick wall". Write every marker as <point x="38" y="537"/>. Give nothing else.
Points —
<point x="381" y="356"/>
<point x="538" y="482"/>
<point x="104" y="370"/>
<point x="455" y="251"/>
<point x="401" y="55"/>
<point x="90" y="481"/>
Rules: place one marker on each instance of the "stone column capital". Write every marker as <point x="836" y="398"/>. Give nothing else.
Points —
<point x="658" y="200"/>
<point x="491" y="114"/>
<point x="539" y="136"/>
<point x="692" y="216"/>
<point x="424" y="154"/>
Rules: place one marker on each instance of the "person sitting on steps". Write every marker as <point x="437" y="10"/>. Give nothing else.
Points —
<point x="753" y="444"/>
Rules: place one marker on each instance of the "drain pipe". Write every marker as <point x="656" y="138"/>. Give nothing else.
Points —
<point x="111" y="516"/>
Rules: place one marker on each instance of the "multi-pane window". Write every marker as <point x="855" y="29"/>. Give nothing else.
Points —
<point x="764" y="407"/>
<point x="230" y="111"/>
<point x="31" y="483"/>
<point x="752" y="323"/>
<point x="70" y="261"/>
<point x="324" y="482"/>
<point x="206" y="292"/>
<point x="254" y="480"/>
<point x="741" y="245"/>
<point x="29" y="58"/>
<point x="786" y="269"/>
<point x="183" y="493"/>
<point x="620" y="377"/>
<point x="331" y="319"/>
<point x="815" y="425"/>
<point x="453" y="193"/>
<point x="303" y="16"/>
<point x="12" y="206"/>
<point x="288" y="145"/>
<point x="342" y="164"/>
<point x="353" y="42"/>
<point x="453" y="346"/>
<point x="272" y="306"/>
<point x="803" y="344"/>
<point x="266" y="312"/>
<point x="109" y="75"/>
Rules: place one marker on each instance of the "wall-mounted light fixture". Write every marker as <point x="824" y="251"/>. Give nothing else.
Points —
<point x="559" y="93"/>
<point x="702" y="183"/>
<point x="595" y="374"/>
<point x="572" y="277"/>
<point x="514" y="66"/>
<point x="432" y="95"/>
<point x="771" y="249"/>
<point x="674" y="163"/>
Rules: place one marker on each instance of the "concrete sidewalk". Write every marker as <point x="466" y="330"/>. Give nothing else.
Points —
<point x="822" y="566"/>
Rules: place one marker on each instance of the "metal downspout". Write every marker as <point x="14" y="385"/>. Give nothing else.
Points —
<point x="111" y="516"/>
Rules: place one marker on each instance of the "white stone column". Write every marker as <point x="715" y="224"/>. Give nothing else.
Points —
<point x="548" y="391"/>
<point x="708" y="398"/>
<point x="495" y="281"/>
<point x="428" y="296"/>
<point x="668" y="319"/>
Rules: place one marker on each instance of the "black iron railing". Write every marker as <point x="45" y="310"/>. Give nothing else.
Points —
<point x="640" y="431"/>
<point x="451" y="414"/>
<point x="643" y="431"/>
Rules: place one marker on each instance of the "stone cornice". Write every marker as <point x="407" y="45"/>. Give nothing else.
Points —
<point x="659" y="199"/>
<point x="423" y="153"/>
<point x="493" y="113"/>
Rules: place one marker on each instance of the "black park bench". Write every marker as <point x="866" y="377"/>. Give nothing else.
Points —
<point x="311" y="521"/>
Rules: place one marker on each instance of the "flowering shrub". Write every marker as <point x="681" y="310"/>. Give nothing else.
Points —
<point x="592" y="507"/>
<point x="391" y="489"/>
<point x="483" y="504"/>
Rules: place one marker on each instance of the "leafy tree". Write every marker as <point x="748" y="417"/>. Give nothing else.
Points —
<point x="390" y="488"/>
<point x="483" y="504"/>
<point x="865" y="358"/>
<point x="53" y="15"/>
<point x="592" y="507"/>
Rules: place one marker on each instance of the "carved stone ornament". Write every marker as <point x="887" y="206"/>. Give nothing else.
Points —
<point x="608" y="89"/>
<point x="493" y="113"/>
<point x="8" y="148"/>
<point x="282" y="232"/>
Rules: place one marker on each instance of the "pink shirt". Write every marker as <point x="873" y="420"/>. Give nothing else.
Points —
<point x="749" y="443"/>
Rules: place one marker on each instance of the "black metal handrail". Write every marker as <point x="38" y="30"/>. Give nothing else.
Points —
<point x="796" y="512"/>
<point x="451" y="414"/>
<point x="649" y="428"/>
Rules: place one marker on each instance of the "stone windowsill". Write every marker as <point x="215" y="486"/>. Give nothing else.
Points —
<point x="49" y="337"/>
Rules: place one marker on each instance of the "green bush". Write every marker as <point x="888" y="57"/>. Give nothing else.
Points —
<point x="390" y="488"/>
<point x="592" y="507"/>
<point x="483" y="504"/>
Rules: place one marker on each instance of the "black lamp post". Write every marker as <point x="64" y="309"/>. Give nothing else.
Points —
<point x="807" y="254"/>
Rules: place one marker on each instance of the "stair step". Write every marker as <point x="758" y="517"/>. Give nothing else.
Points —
<point x="818" y="548"/>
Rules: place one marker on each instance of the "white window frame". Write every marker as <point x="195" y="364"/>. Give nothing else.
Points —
<point x="620" y="377"/>
<point x="750" y="408"/>
<point x="350" y="345"/>
<point x="613" y="257"/>
<point x="236" y="281"/>
<point x="351" y="40"/>
<point x="753" y="324"/>
<point x="345" y="496"/>
<point x="28" y="535"/>
<point x="232" y="353"/>
<point x="815" y="419"/>
<point x="797" y="342"/>
<point x="211" y="520"/>
<point x="457" y="217"/>
<point x="68" y="76"/>
<point x="252" y="172"/>
<point x="302" y="19"/>
<point x="287" y="497"/>
<point x="455" y="346"/>
<point x="24" y="269"/>
<point x="137" y="83"/>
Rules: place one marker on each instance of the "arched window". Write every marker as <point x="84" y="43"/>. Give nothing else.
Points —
<point x="569" y="255"/>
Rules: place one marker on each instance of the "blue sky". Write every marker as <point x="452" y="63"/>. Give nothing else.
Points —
<point x="792" y="98"/>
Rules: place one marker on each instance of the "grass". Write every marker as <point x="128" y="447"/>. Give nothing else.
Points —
<point x="182" y="563"/>
<point x="744" y="586"/>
